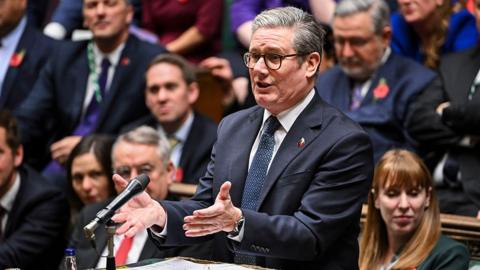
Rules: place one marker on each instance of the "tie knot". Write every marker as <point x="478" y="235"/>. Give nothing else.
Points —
<point x="271" y="125"/>
<point x="173" y="141"/>
<point x="105" y="63"/>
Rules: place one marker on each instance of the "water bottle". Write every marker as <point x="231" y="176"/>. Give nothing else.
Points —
<point x="70" y="261"/>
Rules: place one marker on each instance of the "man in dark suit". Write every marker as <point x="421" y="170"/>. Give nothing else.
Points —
<point x="171" y="91"/>
<point x="142" y="150"/>
<point x="23" y="50"/>
<point x="287" y="178"/>
<point x="446" y="121"/>
<point x="373" y="86"/>
<point x="86" y="87"/>
<point x="34" y="215"/>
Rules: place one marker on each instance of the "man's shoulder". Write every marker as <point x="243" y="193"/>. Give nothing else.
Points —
<point x="458" y="59"/>
<point x="399" y="68"/>
<point x="143" y="48"/>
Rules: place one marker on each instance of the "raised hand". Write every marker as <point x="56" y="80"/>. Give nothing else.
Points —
<point x="138" y="214"/>
<point x="221" y="216"/>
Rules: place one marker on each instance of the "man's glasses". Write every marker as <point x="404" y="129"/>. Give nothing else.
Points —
<point x="272" y="60"/>
<point x="126" y="171"/>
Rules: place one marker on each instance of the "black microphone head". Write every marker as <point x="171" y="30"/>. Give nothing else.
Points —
<point x="143" y="179"/>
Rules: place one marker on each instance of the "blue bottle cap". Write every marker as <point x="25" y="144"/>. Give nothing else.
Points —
<point x="70" y="252"/>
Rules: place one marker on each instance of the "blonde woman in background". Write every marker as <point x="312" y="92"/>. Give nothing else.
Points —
<point x="402" y="230"/>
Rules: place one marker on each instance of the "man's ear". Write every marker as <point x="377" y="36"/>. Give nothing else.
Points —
<point x="312" y="62"/>
<point x="193" y="92"/>
<point x="18" y="156"/>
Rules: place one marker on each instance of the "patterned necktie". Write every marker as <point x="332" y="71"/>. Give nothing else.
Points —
<point x="122" y="252"/>
<point x="257" y="174"/>
<point x="357" y="97"/>
<point x="93" y="110"/>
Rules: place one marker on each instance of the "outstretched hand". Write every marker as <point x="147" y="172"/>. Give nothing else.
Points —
<point x="221" y="216"/>
<point x="139" y="213"/>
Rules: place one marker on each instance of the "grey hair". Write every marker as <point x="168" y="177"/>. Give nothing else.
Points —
<point x="309" y="35"/>
<point x="378" y="9"/>
<point x="148" y="136"/>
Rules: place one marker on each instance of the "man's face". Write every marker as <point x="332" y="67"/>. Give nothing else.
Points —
<point x="9" y="160"/>
<point x="278" y="90"/>
<point x="11" y="11"/>
<point x="130" y="160"/>
<point x="359" y="50"/>
<point x="417" y="11"/>
<point x="168" y="96"/>
<point x="107" y="18"/>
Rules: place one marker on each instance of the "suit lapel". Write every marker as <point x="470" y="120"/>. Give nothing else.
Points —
<point x="121" y="73"/>
<point x="26" y="39"/>
<point x="303" y="128"/>
<point x="78" y="76"/>
<point x="239" y="163"/>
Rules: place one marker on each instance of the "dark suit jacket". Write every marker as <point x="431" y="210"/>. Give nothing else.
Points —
<point x="87" y="257"/>
<point x="35" y="231"/>
<point x="441" y="134"/>
<point x="19" y="80"/>
<point x="384" y="119"/>
<point x="53" y="110"/>
<point x="197" y="147"/>
<point x="447" y="254"/>
<point x="309" y="209"/>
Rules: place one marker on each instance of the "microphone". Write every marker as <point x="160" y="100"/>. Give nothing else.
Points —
<point x="135" y="186"/>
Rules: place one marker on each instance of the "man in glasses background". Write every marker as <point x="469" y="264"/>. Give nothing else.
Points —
<point x="286" y="179"/>
<point x="143" y="150"/>
<point x="372" y="85"/>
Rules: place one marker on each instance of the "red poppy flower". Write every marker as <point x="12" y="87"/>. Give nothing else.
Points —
<point x="382" y="90"/>
<point x="125" y="61"/>
<point x="17" y="58"/>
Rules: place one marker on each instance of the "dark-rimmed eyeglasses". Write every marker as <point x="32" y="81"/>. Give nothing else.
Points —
<point x="273" y="61"/>
<point x="126" y="171"/>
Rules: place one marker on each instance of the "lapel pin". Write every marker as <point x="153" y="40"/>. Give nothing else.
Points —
<point x="125" y="61"/>
<point x="301" y="143"/>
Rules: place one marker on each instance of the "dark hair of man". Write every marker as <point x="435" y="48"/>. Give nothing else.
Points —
<point x="188" y="72"/>
<point x="8" y="122"/>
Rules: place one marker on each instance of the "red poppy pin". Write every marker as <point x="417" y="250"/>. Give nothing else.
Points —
<point x="301" y="143"/>
<point x="17" y="58"/>
<point x="125" y="61"/>
<point x="381" y="91"/>
<point x="178" y="174"/>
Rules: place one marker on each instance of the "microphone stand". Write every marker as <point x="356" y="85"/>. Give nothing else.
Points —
<point x="110" y="227"/>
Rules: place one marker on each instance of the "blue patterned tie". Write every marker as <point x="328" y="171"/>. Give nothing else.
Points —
<point x="257" y="174"/>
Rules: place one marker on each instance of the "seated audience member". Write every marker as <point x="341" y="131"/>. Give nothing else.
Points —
<point x="426" y="29"/>
<point x="446" y="121"/>
<point x="89" y="170"/>
<point x="372" y="85"/>
<point x="189" y="28"/>
<point x="170" y="93"/>
<point x="23" y="52"/>
<point x="87" y="87"/>
<point x="34" y="215"/>
<point x="242" y="13"/>
<point x="402" y="230"/>
<point x="142" y="150"/>
<point x="67" y="17"/>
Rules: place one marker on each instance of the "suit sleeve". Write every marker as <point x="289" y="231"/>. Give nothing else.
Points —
<point x="425" y="124"/>
<point x="330" y="206"/>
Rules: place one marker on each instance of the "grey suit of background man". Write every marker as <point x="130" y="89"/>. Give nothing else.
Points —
<point x="307" y="206"/>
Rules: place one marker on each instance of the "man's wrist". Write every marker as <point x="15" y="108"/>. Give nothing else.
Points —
<point x="237" y="227"/>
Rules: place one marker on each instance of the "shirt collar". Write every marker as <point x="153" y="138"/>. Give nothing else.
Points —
<point x="9" y="198"/>
<point x="113" y="57"/>
<point x="182" y="133"/>
<point x="288" y="117"/>
<point x="12" y="38"/>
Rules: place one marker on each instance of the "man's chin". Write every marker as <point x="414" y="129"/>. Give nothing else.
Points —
<point x="356" y="73"/>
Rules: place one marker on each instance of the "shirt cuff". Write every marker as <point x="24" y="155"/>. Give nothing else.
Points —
<point x="55" y="30"/>
<point x="158" y="231"/>
<point x="239" y="237"/>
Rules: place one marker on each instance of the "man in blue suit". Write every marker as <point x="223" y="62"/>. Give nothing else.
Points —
<point x="286" y="179"/>
<point x="86" y="87"/>
<point x="23" y="50"/>
<point x="373" y="86"/>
